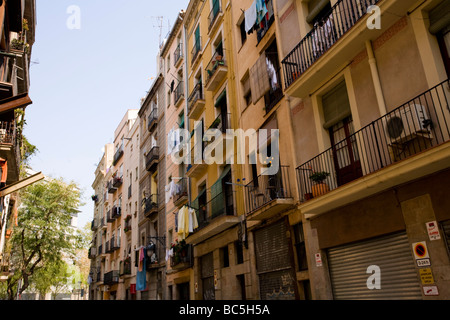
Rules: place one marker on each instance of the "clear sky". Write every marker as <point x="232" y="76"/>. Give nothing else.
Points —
<point x="83" y="80"/>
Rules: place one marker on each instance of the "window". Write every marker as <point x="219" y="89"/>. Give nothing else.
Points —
<point x="168" y="62"/>
<point x="239" y="249"/>
<point x="225" y="257"/>
<point x="243" y="33"/>
<point x="246" y="89"/>
<point x="300" y="247"/>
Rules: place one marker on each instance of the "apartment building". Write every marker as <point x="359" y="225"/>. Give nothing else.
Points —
<point x="220" y="269"/>
<point x="369" y="102"/>
<point x="151" y="221"/>
<point x="99" y="224"/>
<point x="343" y="195"/>
<point x="179" y="256"/>
<point x="17" y="32"/>
<point x="107" y="262"/>
<point x="127" y="272"/>
<point x="274" y="229"/>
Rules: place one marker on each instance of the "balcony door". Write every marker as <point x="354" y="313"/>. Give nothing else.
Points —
<point x="345" y="152"/>
<point x="339" y="124"/>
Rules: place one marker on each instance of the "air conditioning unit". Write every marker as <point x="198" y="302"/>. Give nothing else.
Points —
<point x="407" y="123"/>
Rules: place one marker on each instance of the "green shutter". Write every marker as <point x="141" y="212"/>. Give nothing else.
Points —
<point x="197" y="37"/>
<point x="217" y="195"/>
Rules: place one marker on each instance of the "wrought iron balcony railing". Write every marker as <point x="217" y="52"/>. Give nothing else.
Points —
<point x="151" y="158"/>
<point x="179" y="92"/>
<point x="214" y="64"/>
<point x="214" y="13"/>
<point x="152" y="119"/>
<point x="266" y="188"/>
<point x="342" y="17"/>
<point x="196" y="49"/>
<point x="111" y="277"/>
<point x="196" y="94"/>
<point x="178" y="54"/>
<point x="414" y="127"/>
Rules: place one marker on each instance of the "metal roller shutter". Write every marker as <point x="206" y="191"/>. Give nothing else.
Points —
<point x="392" y="254"/>
<point x="273" y="263"/>
<point x="446" y="228"/>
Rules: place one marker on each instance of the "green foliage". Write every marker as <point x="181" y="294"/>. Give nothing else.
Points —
<point x="319" y="177"/>
<point x="44" y="233"/>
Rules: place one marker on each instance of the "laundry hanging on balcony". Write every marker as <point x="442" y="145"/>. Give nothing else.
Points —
<point x="3" y="172"/>
<point x="187" y="222"/>
<point x="141" y="281"/>
<point x="272" y="75"/>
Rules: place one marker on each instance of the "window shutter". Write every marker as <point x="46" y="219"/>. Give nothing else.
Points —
<point x="336" y="105"/>
<point x="259" y="78"/>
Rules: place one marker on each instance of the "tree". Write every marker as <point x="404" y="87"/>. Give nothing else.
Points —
<point x="53" y="277"/>
<point x="44" y="233"/>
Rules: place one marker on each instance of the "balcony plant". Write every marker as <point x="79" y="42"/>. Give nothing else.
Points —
<point x="320" y="187"/>
<point x="179" y="251"/>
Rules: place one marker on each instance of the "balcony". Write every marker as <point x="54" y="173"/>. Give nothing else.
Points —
<point x="216" y="71"/>
<point x="92" y="253"/>
<point x="178" y="55"/>
<point x="108" y="247"/>
<point x="179" y="94"/>
<point x="405" y="144"/>
<point x="14" y="72"/>
<point x="10" y="141"/>
<point x="269" y="195"/>
<point x="116" y="212"/>
<point x="110" y="217"/>
<point x="196" y="51"/>
<point x="213" y="217"/>
<point x="152" y="159"/>
<point x="114" y="244"/>
<point x="181" y="196"/>
<point x="111" y="188"/>
<point x="111" y="278"/>
<point x="125" y="267"/>
<point x="152" y="120"/>
<point x="127" y="227"/>
<point x="197" y="166"/>
<point x="94" y="224"/>
<point x="214" y="16"/>
<point x="98" y="277"/>
<point x="102" y="223"/>
<point x="182" y="257"/>
<point x="329" y="44"/>
<point x="151" y="205"/>
<point x="118" y="154"/>
<point x="117" y="182"/>
<point x="196" y="102"/>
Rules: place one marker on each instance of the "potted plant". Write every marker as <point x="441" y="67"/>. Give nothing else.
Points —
<point x="320" y="187"/>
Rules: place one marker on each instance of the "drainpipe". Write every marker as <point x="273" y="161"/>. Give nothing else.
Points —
<point x="186" y="90"/>
<point x="292" y="143"/>
<point x="376" y="78"/>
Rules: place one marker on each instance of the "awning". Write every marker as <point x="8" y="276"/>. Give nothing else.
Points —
<point x="15" y="102"/>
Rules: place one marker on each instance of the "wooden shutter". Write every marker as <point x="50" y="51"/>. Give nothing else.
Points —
<point x="259" y="78"/>
<point x="336" y="105"/>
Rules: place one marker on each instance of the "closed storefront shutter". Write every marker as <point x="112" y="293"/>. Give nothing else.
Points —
<point x="392" y="254"/>
<point x="273" y="263"/>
